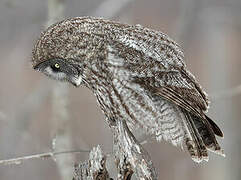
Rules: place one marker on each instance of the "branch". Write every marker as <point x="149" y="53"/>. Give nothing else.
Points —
<point x="20" y="160"/>
<point x="60" y="117"/>
<point x="61" y="129"/>
<point x="130" y="155"/>
<point x="130" y="158"/>
<point x="94" y="168"/>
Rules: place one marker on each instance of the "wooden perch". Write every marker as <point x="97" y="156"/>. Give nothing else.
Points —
<point x="130" y="155"/>
<point x="94" y="168"/>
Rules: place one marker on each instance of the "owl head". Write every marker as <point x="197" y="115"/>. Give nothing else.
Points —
<point x="67" y="50"/>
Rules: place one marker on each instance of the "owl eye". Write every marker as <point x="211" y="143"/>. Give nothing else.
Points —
<point x="55" y="67"/>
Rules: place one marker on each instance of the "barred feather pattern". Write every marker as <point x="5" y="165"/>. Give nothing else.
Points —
<point x="138" y="75"/>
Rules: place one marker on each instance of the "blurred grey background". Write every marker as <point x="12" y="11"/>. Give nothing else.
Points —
<point x="209" y="31"/>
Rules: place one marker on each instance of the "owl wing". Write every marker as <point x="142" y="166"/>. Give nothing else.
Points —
<point x="179" y="87"/>
<point x="158" y="65"/>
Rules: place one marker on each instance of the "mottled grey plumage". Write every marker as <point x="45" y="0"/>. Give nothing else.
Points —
<point x="137" y="74"/>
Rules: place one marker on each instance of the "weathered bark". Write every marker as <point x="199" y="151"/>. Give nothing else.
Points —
<point x="94" y="168"/>
<point x="130" y="156"/>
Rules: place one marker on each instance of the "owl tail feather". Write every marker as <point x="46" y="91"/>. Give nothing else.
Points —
<point x="201" y="137"/>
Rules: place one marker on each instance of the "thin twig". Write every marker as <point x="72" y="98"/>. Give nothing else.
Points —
<point x="19" y="160"/>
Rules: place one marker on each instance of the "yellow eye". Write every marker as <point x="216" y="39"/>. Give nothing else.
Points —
<point x="57" y="66"/>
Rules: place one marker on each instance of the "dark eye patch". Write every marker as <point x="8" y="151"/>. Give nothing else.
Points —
<point x="59" y="65"/>
<point x="55" y="67"/>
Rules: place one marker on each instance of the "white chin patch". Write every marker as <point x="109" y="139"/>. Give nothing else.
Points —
<point x="62" y="76"/>
<point x="77" y="81"/>
<point x="55" y="75"/>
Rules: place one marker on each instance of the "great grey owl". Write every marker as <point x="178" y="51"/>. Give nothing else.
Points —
<point x="137" y="74"/>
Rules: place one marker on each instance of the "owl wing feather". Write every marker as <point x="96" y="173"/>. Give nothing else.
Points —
<point x="178" y="87"/>
<point x="181" y="90"/>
